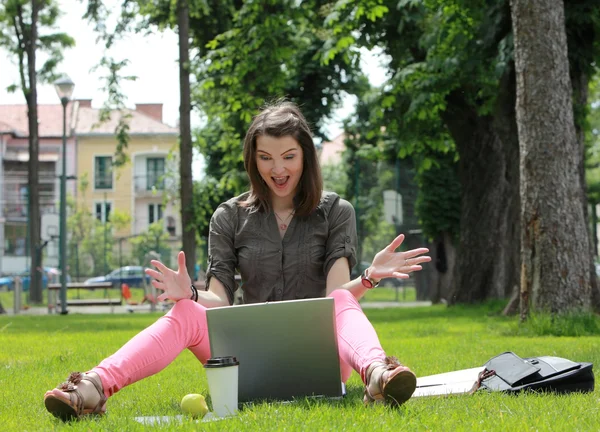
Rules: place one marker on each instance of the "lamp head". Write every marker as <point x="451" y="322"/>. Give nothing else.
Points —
<point x="64" y="88"/>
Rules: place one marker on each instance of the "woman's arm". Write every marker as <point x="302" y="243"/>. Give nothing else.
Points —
<point x="339" y="278"/>
<point x="387" y="263"/>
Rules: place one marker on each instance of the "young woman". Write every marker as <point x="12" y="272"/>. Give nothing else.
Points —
<point x="289" y="240"/>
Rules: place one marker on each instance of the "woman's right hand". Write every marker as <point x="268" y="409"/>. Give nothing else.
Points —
<point x="176" y="285"/>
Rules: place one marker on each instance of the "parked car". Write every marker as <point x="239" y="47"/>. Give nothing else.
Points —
<point x="50" y="274"/>
<point x="133" y="276"/>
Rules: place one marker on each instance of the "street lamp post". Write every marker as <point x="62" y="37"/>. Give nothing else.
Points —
<point x="64" y="89"/>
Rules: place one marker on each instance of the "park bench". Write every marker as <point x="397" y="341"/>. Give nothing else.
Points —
<point x="54" y="290"/>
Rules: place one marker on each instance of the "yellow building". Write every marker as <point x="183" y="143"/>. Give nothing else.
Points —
<point x="145" y="187"/>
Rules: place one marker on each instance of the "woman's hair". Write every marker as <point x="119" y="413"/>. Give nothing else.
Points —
<point x="282" y="119"/>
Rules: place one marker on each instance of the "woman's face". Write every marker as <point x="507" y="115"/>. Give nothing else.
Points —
<point x="279" y="162"/>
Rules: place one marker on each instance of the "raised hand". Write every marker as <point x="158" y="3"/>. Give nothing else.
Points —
<point x="174" y="284"/>
<point x="389" y="263"/>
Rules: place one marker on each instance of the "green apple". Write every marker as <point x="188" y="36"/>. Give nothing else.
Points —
<point x="194" y="405"/>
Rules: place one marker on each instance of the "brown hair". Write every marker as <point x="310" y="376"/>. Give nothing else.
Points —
<point x="277" y="120"/>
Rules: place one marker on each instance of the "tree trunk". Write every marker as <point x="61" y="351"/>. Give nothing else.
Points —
<point x="487" y="253"/>
<point x="555" y="248"/>
<point x="188" y="234"/>
<point x="35" y="288"/>
<point x="443" y="255"/>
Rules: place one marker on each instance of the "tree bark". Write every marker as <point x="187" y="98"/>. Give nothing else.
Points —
<point x="555" y="252"/>
<point x="443" y="255"/>
<point x="35" y="289"/>
<point x="188" y="234"/>
<point x="488" y="249"/>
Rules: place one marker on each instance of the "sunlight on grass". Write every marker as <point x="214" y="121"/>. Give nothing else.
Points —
<point x="573" y="324"/>
<point x="38" y="352"/>
<point x="391" y="294"/>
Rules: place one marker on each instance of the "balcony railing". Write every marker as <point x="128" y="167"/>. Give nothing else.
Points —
<point x="18" y="210"/>
<point x="103" y="181"/>
<point x="149" y="183"/>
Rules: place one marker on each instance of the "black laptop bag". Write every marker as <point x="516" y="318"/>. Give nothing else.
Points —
<point x="510" y="373"/>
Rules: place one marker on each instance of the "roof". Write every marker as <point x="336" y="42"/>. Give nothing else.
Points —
<point x="139" y="123"/>
<point x="50" y="121"/>
<point x="331" y="152"/>
<point x="5" y="128"/>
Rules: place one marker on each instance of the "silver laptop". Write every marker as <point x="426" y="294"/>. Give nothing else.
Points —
<point x="286" y="349"/>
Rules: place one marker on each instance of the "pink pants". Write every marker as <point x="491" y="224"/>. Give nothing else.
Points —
<point x="184" y="326"/>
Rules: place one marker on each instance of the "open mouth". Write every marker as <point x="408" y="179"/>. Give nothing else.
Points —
<point x="281" y="182"/>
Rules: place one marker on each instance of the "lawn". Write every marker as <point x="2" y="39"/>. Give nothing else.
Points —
<point x="391" y="294"/>
<point x="38" y="352"/>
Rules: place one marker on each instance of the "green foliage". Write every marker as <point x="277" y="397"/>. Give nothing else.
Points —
<point x="270" y="51"/>
<point x="15" y="36"/>
<point x="90" y="241"/>
<point x="435" y="48"/>
<point x="153" y="240"/>
<point x="438" y="201"/>
<point x="115" y="105"/>
<point x="592" y="141"/>
<point x="380" y="237"/>
<point x="335" y="178"/>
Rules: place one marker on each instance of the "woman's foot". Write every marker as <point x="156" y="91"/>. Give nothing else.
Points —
<point x="389" y="382"/>
<point x="80" y="395"/>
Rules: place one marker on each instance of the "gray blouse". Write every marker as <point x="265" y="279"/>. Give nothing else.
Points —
<point x="274" y="268"/>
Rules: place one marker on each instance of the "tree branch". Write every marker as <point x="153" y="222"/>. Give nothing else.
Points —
<point x="21" y="41"/>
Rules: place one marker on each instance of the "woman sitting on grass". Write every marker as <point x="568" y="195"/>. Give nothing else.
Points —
<point x="289" y="240"/>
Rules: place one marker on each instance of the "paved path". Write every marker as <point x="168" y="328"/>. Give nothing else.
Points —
<point x="146" y="309"/>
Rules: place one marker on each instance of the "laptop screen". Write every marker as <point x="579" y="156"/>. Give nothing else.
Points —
<point x="286" y="349"/>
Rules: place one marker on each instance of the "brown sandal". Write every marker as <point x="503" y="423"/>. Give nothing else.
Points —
<point x="74" y="407"/>
<point x="389" y="382"/>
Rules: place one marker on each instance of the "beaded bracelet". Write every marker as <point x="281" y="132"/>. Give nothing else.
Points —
<point x="194" y="293"/>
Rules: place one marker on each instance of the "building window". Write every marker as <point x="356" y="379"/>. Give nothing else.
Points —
<point x="15" y="238"/>
<point x="171" y="225"/>
<point x="155" y="213"/>
<point x="155" y="172"/>
<point x="102" y="211"/>
<point x="103" y="177"/>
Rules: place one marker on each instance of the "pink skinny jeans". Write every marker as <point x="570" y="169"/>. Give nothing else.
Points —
<point x="184" y="326"/>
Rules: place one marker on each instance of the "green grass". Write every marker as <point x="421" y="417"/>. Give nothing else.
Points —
<point x="391" y="294"/>
<point x="38" y="352"/>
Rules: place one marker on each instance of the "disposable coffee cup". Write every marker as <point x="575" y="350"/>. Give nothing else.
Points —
<point x="222" y="375"/>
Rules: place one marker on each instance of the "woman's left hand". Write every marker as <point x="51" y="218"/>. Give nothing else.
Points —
<point x="391" y="264"/>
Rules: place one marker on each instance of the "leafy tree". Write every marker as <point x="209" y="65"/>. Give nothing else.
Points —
<point x="270" y="51"/>
<point x="90" y="240"/>
<point x="98" y="244"/>
<point x="27" y="28"/>
<point x="453" y="80"/>
<point x="155" y="239"/>
<point x="438" y="202"/>
<point x="207" y="19"/>
<point x="448" y="63"/>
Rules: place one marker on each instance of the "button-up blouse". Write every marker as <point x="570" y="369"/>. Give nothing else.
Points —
<point x="273" y="268"/>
